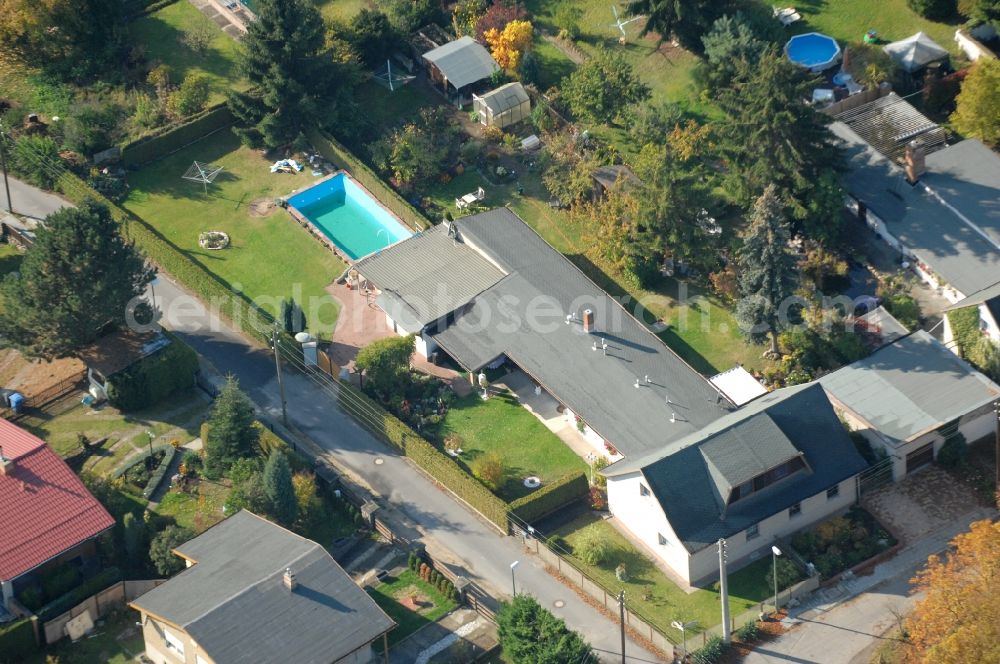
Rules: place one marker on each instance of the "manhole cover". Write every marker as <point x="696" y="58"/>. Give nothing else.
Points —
<point x="379" y="461"/>
<point x="559" y="604"/>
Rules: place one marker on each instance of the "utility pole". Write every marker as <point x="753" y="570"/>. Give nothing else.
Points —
<point x="724" y="592"/>
<point x="621" y="614"/>
<point x="277" y="367"/>
<point x="3" y="165"/>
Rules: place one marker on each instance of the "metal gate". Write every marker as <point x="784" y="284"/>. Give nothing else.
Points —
<point x="875" y="476"/>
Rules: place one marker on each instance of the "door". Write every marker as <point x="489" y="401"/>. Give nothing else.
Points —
<point x="919" y="458"/>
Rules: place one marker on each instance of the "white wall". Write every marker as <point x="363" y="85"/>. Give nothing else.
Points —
<point x="991" y="326"/>
<point x="644" y="518"/>
<point x="594" y="439"/>
<point x="423" y="346"/>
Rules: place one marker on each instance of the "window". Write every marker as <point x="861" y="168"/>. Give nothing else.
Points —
<point x="833" y="492"/>
<point x="766" y="479"/>
<point x="643" y="489"/>
<point x="661" y="539"/>
<point x="795" y="510"/>
<point x="174" y="644"/>
<point x="753" y="531"/>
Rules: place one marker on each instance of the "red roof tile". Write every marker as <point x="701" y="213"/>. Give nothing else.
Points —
<point x="44" y="507"/>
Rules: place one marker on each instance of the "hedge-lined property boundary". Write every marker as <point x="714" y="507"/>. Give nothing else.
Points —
<point x="105" y="579"/>
<point x="167" y="140"/>
<point x="330" y="148"/>
<point x="17" y="640"/>
<point x="551" y="497"/>
<point x="155" y="377"/>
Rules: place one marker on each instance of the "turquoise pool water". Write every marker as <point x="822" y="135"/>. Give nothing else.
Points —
<point x="347" y="215"/>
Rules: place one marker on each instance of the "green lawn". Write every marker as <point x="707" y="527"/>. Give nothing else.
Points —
<point x="341" y="10"/>
<point x="161" y="34"/>
<point x="269" y="257"/>
<point x="180" y="416"/>
<point x="199" y="508"/>
<point x="653" y="595"/>
<point x="115" y="640"/>
<point x="434" y="605"/>
<point x="502" y="425"/>
<point x="553" y="64"/>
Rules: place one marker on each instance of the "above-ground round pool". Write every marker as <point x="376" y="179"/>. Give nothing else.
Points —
<point x="813" y="50"/>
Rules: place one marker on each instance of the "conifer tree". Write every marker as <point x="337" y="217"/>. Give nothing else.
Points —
<point x="279" y="488"/>
<point x="232" y="431"/>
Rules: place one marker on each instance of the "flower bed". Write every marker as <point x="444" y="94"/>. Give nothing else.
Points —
<point x="842" y="542"/>
<point x="213" y="240"/>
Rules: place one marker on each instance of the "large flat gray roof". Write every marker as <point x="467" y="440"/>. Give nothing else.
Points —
<point x="926" y="222"/>
<point x="463" y="61"/>
<point x="542" y="285"/>
<point x="685" y="479"/>
<point x="910" y="386"/>
<point x="234" y="604"/>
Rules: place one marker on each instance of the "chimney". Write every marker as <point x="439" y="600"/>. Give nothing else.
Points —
<point x="6" y="465"/>
<point x="914" y="161"/>
<point x="588" y="320"/>
<point x="289" y="579"/>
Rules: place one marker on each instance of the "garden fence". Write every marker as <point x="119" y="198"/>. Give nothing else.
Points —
<point x="99" y="604"/>
<point x="50" y="395"/>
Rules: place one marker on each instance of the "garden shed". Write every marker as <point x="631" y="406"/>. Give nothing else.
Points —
<point x="460" y="63"/>
<point x="503" y="106"/>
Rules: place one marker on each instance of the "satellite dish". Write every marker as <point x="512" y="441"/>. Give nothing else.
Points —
<point x="303" y="337"/>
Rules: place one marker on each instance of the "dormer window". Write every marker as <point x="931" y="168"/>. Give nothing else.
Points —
<point x="766" y="479"/>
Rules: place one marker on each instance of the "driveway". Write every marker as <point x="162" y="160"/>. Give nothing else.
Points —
<point x="448" y="529"/>
<point x="30" y="201"/>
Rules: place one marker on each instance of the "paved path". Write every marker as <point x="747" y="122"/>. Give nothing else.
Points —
<point x="844" y="623"/>
<point x="476" y="549"/>
<point x="30" y="201"/>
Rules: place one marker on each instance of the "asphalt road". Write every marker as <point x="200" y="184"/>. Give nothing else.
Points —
<point x="30" y="201"/>
<point x="477" y="550"/>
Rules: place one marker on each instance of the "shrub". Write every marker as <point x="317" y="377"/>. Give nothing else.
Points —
<point x="156" y="477"/>
<point x="190" y="97"/>
<point x="904" y="308"/>
<point x="490" y="469"/>
<point x="935" y="10"/>
<point x="788" y="574"/>
<point x="154" y="378"/>
<point x="598" y="499"/>
<point x="161" y="549"/>
<point x="711" y="652"/>
<point x="413" y="562"/>
<point x="60" y="581"/>
<point x="30" y="158"/>
<point x="551" y="497"/>
<point x="954" y="451"/>
<point x="17" y="640"/>
<point x="94" y="584"/>
<point x="833" y="531"/>
<point x="593" y="547"/>
<point x="749" y="633"/>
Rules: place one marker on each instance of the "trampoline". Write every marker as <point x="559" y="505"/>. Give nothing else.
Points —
<point x="813" y="50"/>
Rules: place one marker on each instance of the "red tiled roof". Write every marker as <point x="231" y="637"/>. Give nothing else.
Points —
<point x="44" y="507"/>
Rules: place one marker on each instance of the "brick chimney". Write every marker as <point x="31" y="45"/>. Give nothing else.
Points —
<point x="289" y="579"/>
<point x="914" y="161"/>
<point x="6" y="465"/>
<point x="588" y="320"/>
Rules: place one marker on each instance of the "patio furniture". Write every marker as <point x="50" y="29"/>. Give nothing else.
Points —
<point x="468" y="199"/>
<point x="787" y="15"/>
<point x="823" y="96"/>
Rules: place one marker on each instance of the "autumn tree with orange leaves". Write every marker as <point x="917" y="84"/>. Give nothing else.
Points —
<point x="507" y="46"/>
<point x="959" y="619"/>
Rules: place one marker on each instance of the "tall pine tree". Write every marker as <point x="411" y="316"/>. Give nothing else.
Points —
<point x="279" y="488"/>
<point x="74" y="284"/>
<point x="297" y="83"/>
<point x="687" y="20"/>
<point x="767" y="272"/>
<point x="232" y="429"/>
<point x="772" y="136"/>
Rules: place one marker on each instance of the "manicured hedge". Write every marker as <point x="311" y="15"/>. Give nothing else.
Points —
<point x="342" y="157"/>
<point x="432" y="460"/>
<point x="152" y="379"/>
<point x="166" y="140"/>
<point x="17" y="640"/>
<point x="156" y="478"/>
<point x="551" y="497"/>
<point x="236" y="307"/>
<point x="105" y="579"/>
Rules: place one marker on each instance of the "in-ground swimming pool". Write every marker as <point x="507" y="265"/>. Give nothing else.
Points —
<point x="346" y="214"/>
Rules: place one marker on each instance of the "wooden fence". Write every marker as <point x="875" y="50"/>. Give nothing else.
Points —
<point x="49" y="395"/>
<point x="99" y="605"/>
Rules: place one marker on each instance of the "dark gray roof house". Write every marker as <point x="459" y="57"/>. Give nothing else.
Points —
<point x="910" y="387"/>
<point x="487" y="286"/>
<point x="235" y="603"/>
<point x="744" y="467"/>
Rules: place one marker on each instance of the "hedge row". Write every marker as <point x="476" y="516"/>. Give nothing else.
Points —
<point x="551" y="497"/>
<point x="235" y="306"/>
<point x="435" y="462"/>
<point x="169" y="139"/>
<point x="342" y="157"/>
<point x="156" y="478"/>
<point x="17" y="640"/>
<point x="152" y="379"/>
<point x="105" y="579"/>
<point x="137" y="8"/>
<point x="124" y="469"/>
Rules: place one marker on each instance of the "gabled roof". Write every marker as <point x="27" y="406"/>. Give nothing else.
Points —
<point x="947" y="219"/>
<point x="234" y="604"/>
<point x="916" y="52"/>
<point x="541" y="284"/>
<point x="463" y="61"/>
<point x="44" y="507"/>
<point x="505" y="97"/>
<point x="909" y="387"/>
<point x="684" y="477"/>
<point x="121" y="349"/>
<point x="607" y="176"/>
